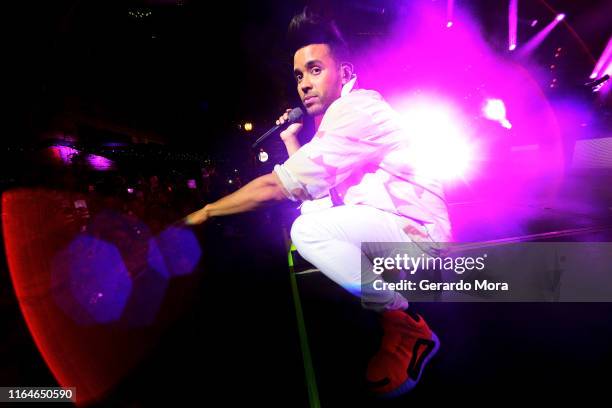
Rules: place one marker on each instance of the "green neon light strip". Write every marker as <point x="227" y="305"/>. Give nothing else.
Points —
<point x="311" y="382"/>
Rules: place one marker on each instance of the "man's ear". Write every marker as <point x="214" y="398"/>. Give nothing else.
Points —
<point x="346" y="71"/>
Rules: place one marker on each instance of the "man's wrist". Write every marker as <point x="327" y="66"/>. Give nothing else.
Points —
<point x="292" y="145"/>
<point x="290" y="139"/>
<point x="207" y="211"/>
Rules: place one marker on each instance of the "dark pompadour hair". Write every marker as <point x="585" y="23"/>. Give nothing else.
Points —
<point x="309" y="28"/>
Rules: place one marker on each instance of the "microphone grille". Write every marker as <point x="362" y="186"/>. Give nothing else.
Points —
<point x="295" y="115"/>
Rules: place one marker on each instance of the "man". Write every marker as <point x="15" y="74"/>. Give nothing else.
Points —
<point x="356" y="186"/>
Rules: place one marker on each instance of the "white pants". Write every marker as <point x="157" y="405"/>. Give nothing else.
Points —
<point x="330" y="239"/>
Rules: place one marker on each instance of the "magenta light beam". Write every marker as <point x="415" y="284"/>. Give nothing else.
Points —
<point x="605" y="57"/>
<point x="512" y="23"/>
<point x="449" y="13"/>
<point x="537" y="39"/>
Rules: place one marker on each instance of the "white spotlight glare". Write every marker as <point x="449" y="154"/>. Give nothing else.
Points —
<point x="494" y="109"/>
<point x="440" y="146"/>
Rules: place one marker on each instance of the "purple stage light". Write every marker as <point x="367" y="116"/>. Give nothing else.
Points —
<point x="512" y="24"/>
<point x="537" y="39"/>
<point x="605" y="57"/>
<point x="64" y="153"/>
<point x="99" y="162"/>
<point x="534" y="23"/>
<point x="462" y="69"/>
<point x="449" y="24"/>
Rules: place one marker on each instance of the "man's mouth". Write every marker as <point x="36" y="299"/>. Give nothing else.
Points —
<point x="309" y="99"/>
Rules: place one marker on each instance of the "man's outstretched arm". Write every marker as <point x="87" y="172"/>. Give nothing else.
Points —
<point x="260" y="192"/>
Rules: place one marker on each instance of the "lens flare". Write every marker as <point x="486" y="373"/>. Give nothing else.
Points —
<point x="440" y="144"/>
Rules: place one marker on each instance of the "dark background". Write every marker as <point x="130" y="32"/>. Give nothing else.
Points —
<point x="163" y="87"/>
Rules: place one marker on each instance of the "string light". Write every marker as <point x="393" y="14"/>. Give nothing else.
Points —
<point x="139" y="13"/>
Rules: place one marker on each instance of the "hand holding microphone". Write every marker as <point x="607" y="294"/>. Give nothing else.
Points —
<point x="288" y="119"/>
<point x="291" y="132"/>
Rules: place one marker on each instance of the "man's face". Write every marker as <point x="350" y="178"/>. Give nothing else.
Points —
<point x="318" y="76"/>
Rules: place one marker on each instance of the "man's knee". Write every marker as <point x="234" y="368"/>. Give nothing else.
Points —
<point x="301" y="230"/>
<point x="308" y="228"/>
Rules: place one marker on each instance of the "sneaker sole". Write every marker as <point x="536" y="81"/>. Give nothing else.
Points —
<point x="409" y="384"/>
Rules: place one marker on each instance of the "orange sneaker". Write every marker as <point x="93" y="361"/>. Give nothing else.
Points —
<point x="407" y="346"/>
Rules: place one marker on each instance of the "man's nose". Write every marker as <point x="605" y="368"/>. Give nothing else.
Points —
<point x="305" y="84"/>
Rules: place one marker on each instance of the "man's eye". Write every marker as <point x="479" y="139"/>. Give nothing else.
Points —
<point x="316" y="71"/>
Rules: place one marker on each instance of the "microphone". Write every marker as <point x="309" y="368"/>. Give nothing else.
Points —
<point x="295" y="115"/>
